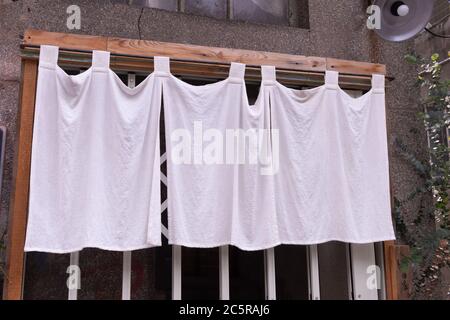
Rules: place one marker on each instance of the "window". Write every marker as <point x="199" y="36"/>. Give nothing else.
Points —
<point x="326" y="271"/>
<point x="292" y="13"/>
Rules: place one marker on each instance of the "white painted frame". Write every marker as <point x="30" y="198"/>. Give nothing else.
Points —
<point x="362" y="259"/>
<point x="269" y="270"/>
<point x="74" y="261"/>
<point x="313" y="272"/>
<point x="224" y="273"/>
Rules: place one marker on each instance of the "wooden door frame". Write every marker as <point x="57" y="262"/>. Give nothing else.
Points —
<point x="13" y="282"/>
<point x="129" y="54"/>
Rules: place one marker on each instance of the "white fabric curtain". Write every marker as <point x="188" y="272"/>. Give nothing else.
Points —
<point x="216" y="192"/>
<point x="298" y="167"/>
<point x="95" y="178"/>
<point x="333" y="178"/>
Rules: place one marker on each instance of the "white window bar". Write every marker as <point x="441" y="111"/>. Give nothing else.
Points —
<point x="364" y="272"/>
<point x="224" y="273"/>
<point x="74" y="261"/>
<point x="163" y="158"/>
<point x="379" y="258"/>
<point x="164" y="205"/>
<point x="126" y="271"/>
<point x="126" y="276"/>
<point x="176" y="273"/>
<point x="165" y="231"/>
<point x="163" y="178"/>
<point x="269" y="268"/>
<point x="313" y="273"/>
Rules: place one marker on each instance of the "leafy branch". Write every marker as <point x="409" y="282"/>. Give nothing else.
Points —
<point x="429" y="245"/>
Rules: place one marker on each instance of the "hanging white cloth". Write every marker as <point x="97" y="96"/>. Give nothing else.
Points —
<point x="298" y="167"/>
<point x="95" y="178"/>
<point x="219" y="192"/>
<point x="333" y="181"/>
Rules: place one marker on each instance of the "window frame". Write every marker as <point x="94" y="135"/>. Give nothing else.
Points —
<point x="188" y="60"/>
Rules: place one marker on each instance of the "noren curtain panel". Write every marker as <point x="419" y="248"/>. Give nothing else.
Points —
<point x="297" y="167"/>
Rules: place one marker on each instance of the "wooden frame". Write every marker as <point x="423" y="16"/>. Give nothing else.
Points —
<point x="127" y="54"/>
<point x="13" y="285"/>
<point x="193" y="60"/>
<point x="145" y="48"/>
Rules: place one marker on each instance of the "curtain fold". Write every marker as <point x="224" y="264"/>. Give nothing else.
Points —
<point x="297" y="167"/>
<point x="94" y="182"/>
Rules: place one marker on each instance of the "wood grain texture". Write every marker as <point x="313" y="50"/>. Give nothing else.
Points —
<point x="355" y="67"/>
<point x="65" y="40"/>
<point x="202" y="70"/>
<point x="214" y="72"/>
<point x="187" y="52"/>
<point x="20" y="189"/>
<point x="398" y="281"/>
<point x="391" y="270"/>
<point x="404" y="277"/>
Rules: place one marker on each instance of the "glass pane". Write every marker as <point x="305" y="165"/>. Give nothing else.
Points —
<point x="200" y="273"/>
<point x="299" y="13"/>
<point x="151" y="272"/>
<point x="160" y="4"/>
<point x="291" y="269"/>
<point x="101" y="275"/>
<point x="211" y="8"/>
<point x="45" y="276"/>
<point x="334" y="271"/>
<point x="120" y="1"/>
<point x="261" y="11"/>
<point x="379" y="261"/>
<point x="252" y="92"/>
<point x="246" y="274"/>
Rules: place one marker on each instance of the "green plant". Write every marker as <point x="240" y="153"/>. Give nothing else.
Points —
<point x="428" y="233"/>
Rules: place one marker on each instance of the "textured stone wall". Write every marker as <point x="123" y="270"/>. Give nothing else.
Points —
<point x="337" y="29"/>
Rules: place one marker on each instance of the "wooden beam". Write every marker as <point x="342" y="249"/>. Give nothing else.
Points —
<point x="186" y="52"/>
<point x="390" y="264"/>
<point x="404" y="277"/>
<point x="65" y="40"/>
<point x="20" y="189"/>
<point x="194" y="53"/>
<point x="201" y="70"/>
<point x="398" y="281"/>
<point x="355" y="67"/>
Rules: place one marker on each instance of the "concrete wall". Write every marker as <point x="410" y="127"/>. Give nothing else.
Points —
<point x="337" y="29"/>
